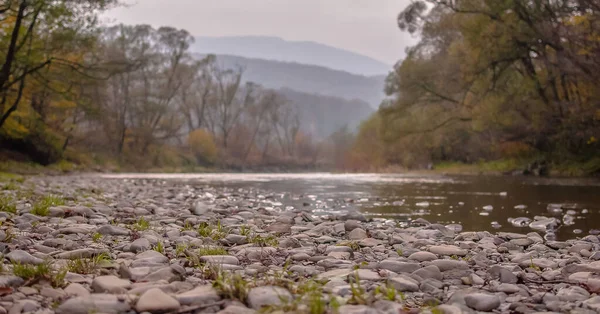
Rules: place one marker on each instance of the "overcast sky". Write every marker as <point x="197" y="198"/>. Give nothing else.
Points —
<point x="364" y="26"/>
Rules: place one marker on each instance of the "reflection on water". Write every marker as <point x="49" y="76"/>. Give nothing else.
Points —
<point x="512" y="204"/>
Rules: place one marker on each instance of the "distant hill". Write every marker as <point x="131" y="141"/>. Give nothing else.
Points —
<point x="305" y="52"/>
<point x="322" y="115"/>
<point x="309" y="79"/>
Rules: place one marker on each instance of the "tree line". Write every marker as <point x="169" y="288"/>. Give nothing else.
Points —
<point x="134" y="95"/>
<point x="491" y="80"/>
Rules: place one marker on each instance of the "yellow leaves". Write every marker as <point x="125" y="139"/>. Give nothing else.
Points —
<point x="203" y="146"/>
<point x="592" y="140"/>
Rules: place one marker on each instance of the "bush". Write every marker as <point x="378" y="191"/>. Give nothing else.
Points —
<point x="203" y="146"/>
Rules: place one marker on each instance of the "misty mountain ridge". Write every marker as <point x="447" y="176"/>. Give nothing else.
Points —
<point x="311" y="79"/>
<point x="304" y="52"/>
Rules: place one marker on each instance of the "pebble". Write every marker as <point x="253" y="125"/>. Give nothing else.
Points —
<point x="264" y="240"/>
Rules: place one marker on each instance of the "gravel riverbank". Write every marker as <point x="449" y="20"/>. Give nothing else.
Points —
<point x="91" y="245"/>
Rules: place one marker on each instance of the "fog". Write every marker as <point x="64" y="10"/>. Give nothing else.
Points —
<point x="364" y="26"/>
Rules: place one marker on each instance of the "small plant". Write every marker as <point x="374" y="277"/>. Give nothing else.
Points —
<point x="454" y="257"/>
<point x="11" y="186"/>
<point x="187" y="226"/>
<point x="358" y="292"/>
<point x="7" y="204"/>
<point x="39" y="272"/>
<point x="261" y="241"/>
<point x="28" y="272"/>
<point x="205" y="230"/>
<point x="41" y="207"/>
<point x="534" y="266"/>
<point x="245" y="230"/>
<point x="231" y="286"/>
<point x="399" y="251"/>
<point x="212" y="250"/>
<point x="86" y="266"/>
<point x="97" y="237"/>
<point x="180" y="249"/>
<point x="351" y="244"/>
<point x="141" y="224"/>
<point x="159" y="247"/>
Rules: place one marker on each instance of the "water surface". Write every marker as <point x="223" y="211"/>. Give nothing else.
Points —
<point x="477" y="203"/>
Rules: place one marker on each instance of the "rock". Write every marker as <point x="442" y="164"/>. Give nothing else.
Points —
<point x="140" y="245"/>
<point x="336" y="273"/>
<point x="75" y="289"/>
<point x="199" y="295"/>
<point x="24" y="306"/>
<point x="268" y="296"/>
<point x="237" y="309"/>
<point x="449" y="309"/>
<point x="107" y="303"/>
<point x="22" y="257"/>
<point x="80" y="253"/>
<point x="200" y="208"/>
<point x="365" y="274"/>
<point x="404" y="284"/>
<point x="447" y="250"/>
<point x="350" y="225"/>
<point x="503" y="274"/>
<point x="399" y="267"/>
<point x="110" y="284"/>
<point x="167" y="274"/>
<point x="156" y="301"/>
<point x="357" y="234"/>
<point x="388" y="307"/>
<point x="572" y="294"/>
<point x="357" y="309"/>
<point x="279" y="228"/>
<point x="593" y="303"/>
<point x="445" y="264"/>
<point x="423" y="256"/>
<point x="430" y="271"/>
<point x="113" y="230"/>
<point x="539" y="262"/>
<point x="7" y="281"/>
<point x="220" y="259"/>
<point x="482" y="301"/>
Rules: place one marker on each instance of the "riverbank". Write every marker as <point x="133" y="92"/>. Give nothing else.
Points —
<point x="82" y="245"/>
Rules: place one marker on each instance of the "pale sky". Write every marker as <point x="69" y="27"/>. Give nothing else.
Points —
<point x="364" y="26"/>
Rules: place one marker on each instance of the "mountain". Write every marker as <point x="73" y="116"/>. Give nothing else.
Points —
<point x="305" y="52"/>
<point x="309" y="79"/>
<point x="322" y="115"/>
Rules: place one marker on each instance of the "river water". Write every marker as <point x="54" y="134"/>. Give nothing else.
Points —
<point x="557" y="208"/>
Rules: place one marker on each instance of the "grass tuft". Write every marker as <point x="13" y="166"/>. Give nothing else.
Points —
<point x="7" y="204"/>
<point x="86" y="266"/>
<point x="42" y="207"/>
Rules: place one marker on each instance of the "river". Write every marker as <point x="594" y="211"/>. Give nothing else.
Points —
<point x="477" y="203"/>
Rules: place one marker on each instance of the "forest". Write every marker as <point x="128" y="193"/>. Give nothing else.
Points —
<point x="134" y="97"/>
<point x="496" y="82"/>
<point x="501" y="83"/>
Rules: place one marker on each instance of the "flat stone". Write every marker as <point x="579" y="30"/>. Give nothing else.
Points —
<point x="268" y="296"/>
<point x="279" y="228"/>
<point x="113" y="230"/>
<point x="404" y="284"/>
<point x="573" y="294"/>
<point x="446" y="264"/>
<point x="593" y="303"/>
<point x="430" y="271"/>
<point x="365" y="274"/>
<point x="357" y="309"/>
<point x="503" y="274"/>
<point x="357" y="234"/>
<point x="369" y="242"/>
<point x="140" y="245"/>
<point x="80" y="253"/>
<point x="508" y="288"/>
<point x="76" y="289"/>
<point x="110" y="284"/>
<point x="539" y="262"/>
<point x="236" y="309"/>
<point x="220" y="259"/>
<point x="107" y="303"/>
<point x="447" y="250"/>
<point x="22" y="257"/>
<point x="199" y="295"/>
<point x="336" y="273"/>
<point x="399" y="267"/>
<point x="482" y="301"/>
<point x="156" y="301"/>
<point x="423" y="256"/>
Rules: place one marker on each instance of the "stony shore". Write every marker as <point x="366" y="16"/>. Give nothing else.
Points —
<point x="91" y="245"/>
